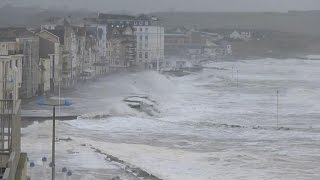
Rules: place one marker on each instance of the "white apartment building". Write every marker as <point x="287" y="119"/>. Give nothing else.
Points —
<point x="150" y="42"/>
<point x="149" y="33"/>
<point x="241" y="35"/>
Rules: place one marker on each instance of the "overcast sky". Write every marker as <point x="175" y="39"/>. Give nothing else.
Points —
<point x="176" y="5"/>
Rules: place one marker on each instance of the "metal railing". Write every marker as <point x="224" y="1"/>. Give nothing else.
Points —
<point x="9" y="137"/>
<point x="6" y="115"/>
<point x="14" y="52"/>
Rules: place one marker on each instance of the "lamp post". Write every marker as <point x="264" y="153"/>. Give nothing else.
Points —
<point x="15" y="93"/>
<point x="232" y="73"/>
<point x="237" y="78"/>
<point x="53" y="103"/>
<point x="277" y="108"/>
<point x="32" y="165"/>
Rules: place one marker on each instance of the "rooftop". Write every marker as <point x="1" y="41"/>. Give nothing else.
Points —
<point x="119" y="28"/>
<point x="58" y="32"/>
<point x="10" y="33"/>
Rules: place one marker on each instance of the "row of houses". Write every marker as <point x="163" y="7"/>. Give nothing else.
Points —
<point x="15" y="55"/>
<point x="195" y="44"/>
<point x="61" y="52"/>
<point x="241" y="35"/>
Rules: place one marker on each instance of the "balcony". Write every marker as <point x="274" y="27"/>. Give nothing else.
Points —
<point x="11" y="162"/>
<point x="65" y="52"/>
<point x="66" y="71"/>
<point x="6" y="107"/>
<point x="14" y="52"/>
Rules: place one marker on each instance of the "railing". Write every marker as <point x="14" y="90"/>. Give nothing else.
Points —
<point x="6" y="114"/>
<point x="9" y="137"/>
<point x="66" y="72"/>
<point x="6" y="174"/>
<point x="14" y="52"/>
<point x="9" y="173"/>
<point x="6" y="106"/>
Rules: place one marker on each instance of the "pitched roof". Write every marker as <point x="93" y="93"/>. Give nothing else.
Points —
<point x="118" y="28"/>
<point x="52" y="37"/>
<point x="58" y="32"/>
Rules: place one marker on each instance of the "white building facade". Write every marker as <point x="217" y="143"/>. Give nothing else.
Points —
<point x="235" y="35"/>
<point x="149" y="33"/>
<point x="241" y="35"/>
<point x="150" y="42"/>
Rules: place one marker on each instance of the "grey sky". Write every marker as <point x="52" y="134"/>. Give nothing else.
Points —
<point x="177" y="5"/>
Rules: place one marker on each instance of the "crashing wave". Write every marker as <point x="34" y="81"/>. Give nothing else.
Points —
<point x="142" y="103"/>
<point x="110" y="111"/>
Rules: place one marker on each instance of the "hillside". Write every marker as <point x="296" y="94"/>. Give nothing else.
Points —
<point x="289" y="34"/>
<point x="305" y="22"/>
<point x="295" y="22"/>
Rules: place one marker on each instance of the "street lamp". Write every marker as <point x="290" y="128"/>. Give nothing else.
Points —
<point x="53" y="103"/>
<point x="32" y="165"/>
<point x="237" y="78"/>
<point x="277" y="109"/>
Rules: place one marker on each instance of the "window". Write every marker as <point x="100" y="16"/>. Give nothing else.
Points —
<point x="64" y="64"/>
<point x="140" y="54"/>
<point x="146" y="23"/>
<point x="140" y="29"/>
<point x="17" y="63"/>
<point x="141" y="38"/>
<point x="140" y="45"/>
<point x="146" y="45"/>
<point x="146" y="30"/>
<point x="146" y="38"/>
<point x="146" y="55"/>
<point x="10" y="65"/>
